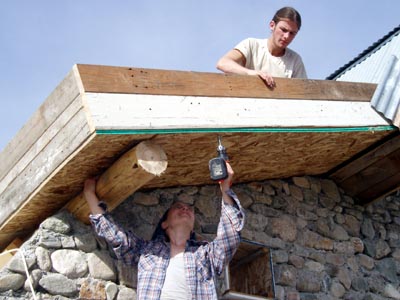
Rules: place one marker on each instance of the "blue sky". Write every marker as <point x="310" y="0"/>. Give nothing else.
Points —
<point x="41" y="40"/>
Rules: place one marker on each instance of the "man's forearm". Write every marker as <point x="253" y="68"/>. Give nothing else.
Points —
<point x="93" y="203"/>
<point x="228" y="65"/>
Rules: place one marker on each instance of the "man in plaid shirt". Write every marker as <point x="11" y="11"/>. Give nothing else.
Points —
<point x="173" y="265"/>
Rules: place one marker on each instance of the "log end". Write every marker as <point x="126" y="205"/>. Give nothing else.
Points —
<point x="151" y="157"/>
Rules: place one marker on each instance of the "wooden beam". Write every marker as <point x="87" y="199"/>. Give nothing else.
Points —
<point x="378" y="191"/>
<point x="130" y="111"/>
<point x="125" y="80"/>
<point x="367" y="160"/>
<point x="7" y="253"/>
<point x="130" y="172"/>
<point x="373" y="176"/>
<point x="378" y="178"/>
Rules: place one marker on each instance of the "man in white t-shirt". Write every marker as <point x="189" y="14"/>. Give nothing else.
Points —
<point x="270" y="57"/>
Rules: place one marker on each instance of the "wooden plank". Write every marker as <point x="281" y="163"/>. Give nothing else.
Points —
<point x="68" y="139"/>
<point x="107" y="79"/>
<point x="389" y="185"/>
<point x="130" y="111"/>
<point x="374" y="176"/>
<point x="42" y="142"/>
<point x="22" y="146"/>
<point x="367" y="160"/>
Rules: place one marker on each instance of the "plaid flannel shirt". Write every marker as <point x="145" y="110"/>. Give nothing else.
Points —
<point x="203" y="260"/>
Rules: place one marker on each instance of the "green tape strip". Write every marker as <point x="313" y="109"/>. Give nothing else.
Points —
<point x="280" y="129"/>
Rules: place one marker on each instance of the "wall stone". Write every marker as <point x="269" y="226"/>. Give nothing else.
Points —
<point x="324" y="246"/>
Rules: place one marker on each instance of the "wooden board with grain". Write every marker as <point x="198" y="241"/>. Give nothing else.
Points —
<point x="372" y="175"/>
<point x="26" y="143"/>
<point x="125" y="80"/>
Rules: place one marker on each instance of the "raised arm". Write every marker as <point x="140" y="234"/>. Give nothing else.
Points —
<point x="224" y="246"/>
<point x="225" y="186"/>
<point x="126" y="245"/>
<point x="92" y="200"/>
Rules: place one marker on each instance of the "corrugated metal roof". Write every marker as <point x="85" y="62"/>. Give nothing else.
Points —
<point x="386" y="98"/>
<point x="368" y="60"/>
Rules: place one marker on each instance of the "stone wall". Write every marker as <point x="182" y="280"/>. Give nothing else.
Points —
<point x="324" y="246"/>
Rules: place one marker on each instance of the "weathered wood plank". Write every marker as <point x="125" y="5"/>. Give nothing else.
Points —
<point x="23" y="146"/>
<point x="107" y="79"/>
<point x="42" y="142"/>
<point x="130" y="111"/>
<point x="65" y="143"/>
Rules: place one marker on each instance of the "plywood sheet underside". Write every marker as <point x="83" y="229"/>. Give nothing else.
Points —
<point x="254" y="156"/>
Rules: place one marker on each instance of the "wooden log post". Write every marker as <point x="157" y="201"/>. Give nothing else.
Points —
<point x="130" y="172"/>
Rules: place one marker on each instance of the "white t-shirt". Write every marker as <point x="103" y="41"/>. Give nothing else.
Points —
<point x="258" y="57"/>
<point x="175" y="286"/>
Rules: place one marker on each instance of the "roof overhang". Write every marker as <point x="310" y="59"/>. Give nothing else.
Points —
<point x="97" y="113"/>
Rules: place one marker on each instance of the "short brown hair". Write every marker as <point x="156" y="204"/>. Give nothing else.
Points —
<point x="288" y="13"/>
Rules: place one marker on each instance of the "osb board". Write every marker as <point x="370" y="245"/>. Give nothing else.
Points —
<point x="373" y="174"/>
<point x="259" y="156"/>
<point x="126" y="80"/>
<point x="254" y="157"/>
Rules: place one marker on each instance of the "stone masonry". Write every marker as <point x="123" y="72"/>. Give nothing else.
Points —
<point x="324" y="246"/>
